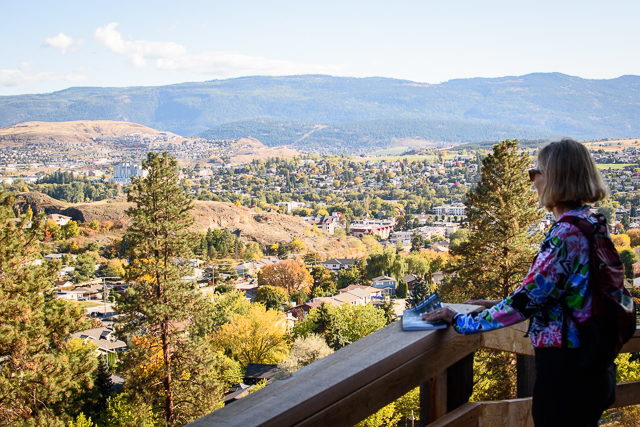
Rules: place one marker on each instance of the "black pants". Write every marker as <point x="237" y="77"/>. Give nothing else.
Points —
<point x="566" y="394"/>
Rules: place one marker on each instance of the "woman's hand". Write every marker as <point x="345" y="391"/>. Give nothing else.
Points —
<point x="483" y="302"/>
<point x="445" y="313"/>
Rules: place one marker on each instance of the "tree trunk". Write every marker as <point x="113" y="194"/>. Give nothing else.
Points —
<point x="168" y="405"/>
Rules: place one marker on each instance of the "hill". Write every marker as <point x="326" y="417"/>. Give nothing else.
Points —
<point x="264" y="228"/>
<point x="80" y="131"/>
<point x="547" y="103"/>
<point x="363" y="137"/>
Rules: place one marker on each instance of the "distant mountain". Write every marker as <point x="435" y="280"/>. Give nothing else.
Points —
<point x="362" y="137"/>
<point x="538" y="103"/>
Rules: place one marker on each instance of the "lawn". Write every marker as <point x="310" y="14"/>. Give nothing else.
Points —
<point x="615" y="165"/>
<point x="90" y="304"/>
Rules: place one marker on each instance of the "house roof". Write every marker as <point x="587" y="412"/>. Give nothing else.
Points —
<point x="409" y="278"/>
<point x="360" y="293"/>
<point x="317" y="302"/>
<point x="383" y="279"/>
<point x="103" y="338"/>
<point x="344" y="261"/>
<point x="260" y="371"/>
<point x="346" y="297"/>
<point x="369" y="289"/>
<point x="62" y="283"/>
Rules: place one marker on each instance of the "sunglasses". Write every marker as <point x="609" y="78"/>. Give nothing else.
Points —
<point x="533" y="173"/>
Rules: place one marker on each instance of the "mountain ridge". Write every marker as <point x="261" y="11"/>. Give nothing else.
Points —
<point x="549" y="103"/>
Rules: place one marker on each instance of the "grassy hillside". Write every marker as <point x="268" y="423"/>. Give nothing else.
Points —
<point x="546" y="103"/>
<point x="361" y="137"/>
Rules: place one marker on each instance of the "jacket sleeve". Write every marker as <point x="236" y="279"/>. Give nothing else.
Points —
<point x="546" y="279"/>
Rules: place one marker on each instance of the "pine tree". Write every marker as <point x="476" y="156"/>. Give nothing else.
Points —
<point x="503" y="216"/>
<point x="171" y="364"/>
<point x="40" y="371"/>
<point x="101" y="386"/>
<point x="502" y="242"/>
<point x="421" y="291"/>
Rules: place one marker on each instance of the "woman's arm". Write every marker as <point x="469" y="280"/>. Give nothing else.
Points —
<point x="447" y="313"/>
<point x="486" y="303"/>
<point x="546" y="278"/>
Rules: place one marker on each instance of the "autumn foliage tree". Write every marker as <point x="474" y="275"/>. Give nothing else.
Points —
<point x="260" y="336"/>
<point x="289" y="275"/>
<point x="272" y="297"/>
<point x="634" y="237"/>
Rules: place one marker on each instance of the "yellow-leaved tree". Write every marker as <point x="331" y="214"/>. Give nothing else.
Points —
<point x="260" y="336"/>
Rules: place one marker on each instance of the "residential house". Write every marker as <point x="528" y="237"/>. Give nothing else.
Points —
<point x="348" y="298"/>
<point x="363" y="295"/>
<point x="317" y="302"/>
<point x="59" y="219"/>
<point x="256" y="372"/>
<point x="373" y="292"/>
<point x="336" y="264"/>
<point x="104" y="338"/>
<point x="410" y="279"/>
<point x="63" y="285"/>
<point x="253" y="267"/>
<point x="386" y="283"/>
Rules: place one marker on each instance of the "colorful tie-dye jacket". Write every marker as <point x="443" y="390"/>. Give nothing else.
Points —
<point x="562" y="266"/>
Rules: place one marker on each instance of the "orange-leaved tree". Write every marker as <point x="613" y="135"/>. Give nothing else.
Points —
<point x="290" y="275"/>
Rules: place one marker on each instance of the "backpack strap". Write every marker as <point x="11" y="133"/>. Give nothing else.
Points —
<point x="583" y="225"/>
<point x="587" y="229"/>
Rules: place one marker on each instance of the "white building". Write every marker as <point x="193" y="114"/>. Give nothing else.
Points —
<point x="123" y="173"/>
<point x="454" y="209"/>
<point x="292" y="205"/>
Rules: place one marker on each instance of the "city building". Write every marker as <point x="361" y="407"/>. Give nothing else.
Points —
<point x="454" y="209"/>
<point x="123" y="173"/>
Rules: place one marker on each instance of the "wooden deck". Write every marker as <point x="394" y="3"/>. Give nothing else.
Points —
<point x="358" y="380"/>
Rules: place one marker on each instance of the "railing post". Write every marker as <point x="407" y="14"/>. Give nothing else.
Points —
<point x="459" y="382"/>
<point x="447" y="391"/>
<point x="433" y="399"/>
<point x="526" y="375"/>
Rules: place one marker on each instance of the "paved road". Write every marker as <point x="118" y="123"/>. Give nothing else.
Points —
<point x="100" y="309"/>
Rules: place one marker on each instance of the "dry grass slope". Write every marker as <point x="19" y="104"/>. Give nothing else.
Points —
<point x="264" y="228"/>
<point x="77" y="131"/>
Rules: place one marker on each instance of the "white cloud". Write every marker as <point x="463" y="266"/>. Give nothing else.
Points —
<point x="25" y="76"/>
<point x="233" y="64"/>
<point x="61" y="41"/>
<point x="173" y="57"/>
<point x="138" y="51"/>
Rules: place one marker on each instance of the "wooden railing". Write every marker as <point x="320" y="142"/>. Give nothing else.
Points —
<point x="358" y="380"/>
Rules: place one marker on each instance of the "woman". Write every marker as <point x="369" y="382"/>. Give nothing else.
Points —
<point x="564" y="394"/>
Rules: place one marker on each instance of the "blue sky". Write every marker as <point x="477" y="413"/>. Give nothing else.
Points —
<point x="49" y="46"/>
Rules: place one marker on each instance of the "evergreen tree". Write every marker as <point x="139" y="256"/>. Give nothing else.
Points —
<point x="102" y="385"/>
<point x="41" y="373"/>
<point x="171" y="363"/>
<point x="417" y="242"/>
<point x="502" y="240"/>
<point x="389" y="311"/>
<point x="420" y="292"/>
<point x="401" y="292"/>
